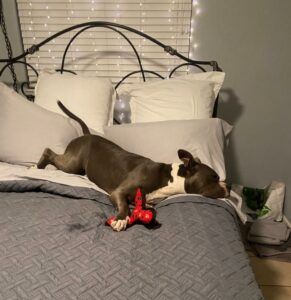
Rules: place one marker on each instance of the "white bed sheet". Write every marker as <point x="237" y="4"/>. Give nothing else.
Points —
<point x="17" y="172"/>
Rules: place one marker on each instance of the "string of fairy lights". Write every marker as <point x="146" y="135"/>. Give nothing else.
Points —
<point x="172" y="22"/>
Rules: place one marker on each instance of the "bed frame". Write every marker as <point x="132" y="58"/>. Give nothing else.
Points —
<point x="115" y="27"/>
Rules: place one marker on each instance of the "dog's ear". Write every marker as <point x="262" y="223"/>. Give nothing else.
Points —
<point x="187" y="158"/>
<point x="197" y="159"/>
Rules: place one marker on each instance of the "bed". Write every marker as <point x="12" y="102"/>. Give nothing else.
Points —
<point x="53" y="239"/>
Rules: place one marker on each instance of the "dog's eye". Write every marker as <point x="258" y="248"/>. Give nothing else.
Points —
<point x="215" y="177"/>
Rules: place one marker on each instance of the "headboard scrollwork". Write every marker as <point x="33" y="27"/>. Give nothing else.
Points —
<point x="20" y="59"/>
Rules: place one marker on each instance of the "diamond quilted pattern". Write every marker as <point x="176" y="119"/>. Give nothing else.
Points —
<point x="56" y="247"/>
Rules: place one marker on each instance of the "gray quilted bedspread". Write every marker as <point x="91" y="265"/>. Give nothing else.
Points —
<point x="54" y="245"/>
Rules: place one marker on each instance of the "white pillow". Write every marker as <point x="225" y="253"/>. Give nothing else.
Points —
<point x="182" y="98"/>
<point x="214" y="76"/>
<point x="27" y="129"/>
<point x="160" y="141"/>
<point x="88" y="97"/>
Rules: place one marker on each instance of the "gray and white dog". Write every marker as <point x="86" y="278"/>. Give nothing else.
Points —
<point x="120" y="172"/>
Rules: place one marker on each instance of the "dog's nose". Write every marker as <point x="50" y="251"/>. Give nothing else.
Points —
<point x="225" y="188"/>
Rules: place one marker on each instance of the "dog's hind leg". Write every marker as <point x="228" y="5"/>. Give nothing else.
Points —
<point x="46" y="158"/>
<point x="63" y="162"/>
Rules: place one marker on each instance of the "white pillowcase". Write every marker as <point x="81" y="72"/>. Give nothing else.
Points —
<point x="26" y="129"/>
<point x="160" y="141"/>
<point x="182" y="98"/>
<point x="87" y="97"/>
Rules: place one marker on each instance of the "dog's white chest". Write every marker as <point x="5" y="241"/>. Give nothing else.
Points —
<point x="177" y="186"/>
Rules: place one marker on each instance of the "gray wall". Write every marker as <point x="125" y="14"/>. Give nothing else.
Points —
<point x="11" y="19"/>
<point x="251" y="40"/>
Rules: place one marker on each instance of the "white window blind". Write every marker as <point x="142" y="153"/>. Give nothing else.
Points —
<point x="100" y="51"/>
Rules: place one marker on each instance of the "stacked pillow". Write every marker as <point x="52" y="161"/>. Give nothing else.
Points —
<point x="160" y="141"/>
<point x="90" y="98"/>
<point x="182" y="98"/>
<point x="27" y="129"/>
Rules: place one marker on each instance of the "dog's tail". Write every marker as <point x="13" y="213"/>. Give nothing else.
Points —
<point x="74" y="117"/>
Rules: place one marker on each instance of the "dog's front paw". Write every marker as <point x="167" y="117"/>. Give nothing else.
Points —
<point x="119" y="224"/>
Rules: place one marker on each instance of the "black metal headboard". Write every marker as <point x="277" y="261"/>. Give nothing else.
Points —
<point x="115" y="27"/>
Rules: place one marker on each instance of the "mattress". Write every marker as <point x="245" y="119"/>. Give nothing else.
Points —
<point x="55" y="245"/>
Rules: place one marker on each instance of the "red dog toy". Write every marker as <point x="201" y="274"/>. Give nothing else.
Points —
<point x="140" y="213"/>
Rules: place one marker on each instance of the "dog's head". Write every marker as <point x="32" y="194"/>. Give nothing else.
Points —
<point x="199" y="178"/>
